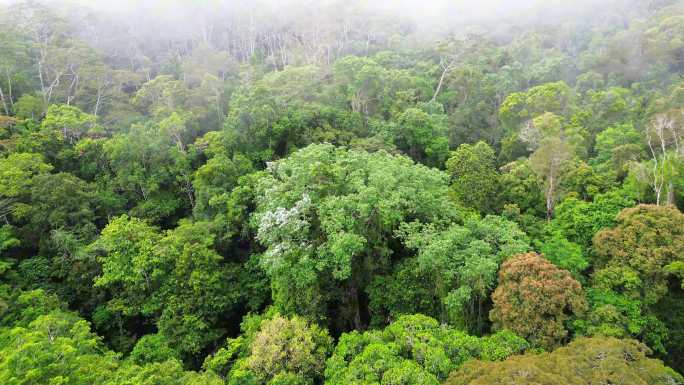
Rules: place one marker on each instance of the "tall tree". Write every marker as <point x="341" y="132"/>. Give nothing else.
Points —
<point x="474" y="176"/>
<point x="535" y="299"/>
<point x="329" y="229"/>
<point x="583" y="361"/>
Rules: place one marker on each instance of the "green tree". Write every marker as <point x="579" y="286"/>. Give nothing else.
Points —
<point x="636" y="263"/>
<point x="213" y="181"/>
<point x="474" y="175"/>
<point x="327" y="218"/>
<point x="54" y="348"/>
<point x="152" y="348"/>
<point x="273" y="350"/>
<point x="554" y="146"/>
<point x="415" y="349"/>
<point x="151" y="171"/>
<point x="288" y="345"/>
<point x="175" y="279"/>
<point x="17" y="171"/>
<point x="616" y="146"/>
<point x="361" y="83"/>
<point x="583" y="361"/>
<point x="647" y="239"/>
<point x="69" y="122"/>
<point x="453" y="273"/>
<point x="521" y="107"/>
<point x="423" y="136"/>
<point x="579" y="220"/>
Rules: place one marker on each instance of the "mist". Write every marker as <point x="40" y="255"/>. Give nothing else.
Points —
<point x="427" y="19"/>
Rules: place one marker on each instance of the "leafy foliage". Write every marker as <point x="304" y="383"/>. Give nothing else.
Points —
<point x="535" y="299"/>
<point x="282" y="176"/>
<point x="585" y="360"/>
<point x="413" y="349"/>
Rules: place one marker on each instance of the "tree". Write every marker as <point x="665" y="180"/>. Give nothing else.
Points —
<point x="150" y="170"/>
<point x="664" y="136"/>
<point x="17" y="172"/>
<point x="474" y="176"/>
<point x="15" y="65"/>
<point x="583" y="361"/>
<point x="521" y="186"/>
<point x="610" y="107"/>
<point x="169" y="372"/>
<point x="63" y="202"/>
<point x="579" y="220"/>
<point x="548" y="163"/>
<point x="41" y="342"/>
<point x="330" y="228"/>
<point x="162" y="96"/>
<point x="415" y="349"/>
<point x="361" y="83"/>
<point x="54" y="347"/>
<point x="272" y="350"/>
<point x="453" y="273"/>
<point x="565" y="254"/>
<point x="69" y="122"/>
<point x="553" y="149"/>
<point x="152" y="348"/>
<point x="617" y="146"/>
<point x="175" y="279"/>
<point x="521" y="107"/>
<point x="635" y="267"/>
<point x="535" y="299"/>
<point x="423" y="136"/>
<point x="213" y="181"/>
<point x="289" y="345"/>
<point x="646" y="240"/>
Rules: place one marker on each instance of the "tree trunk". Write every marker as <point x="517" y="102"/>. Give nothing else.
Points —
<point x="670" y="194"/>
<point x="441" y="81"/>
<point x="9" y="89"/>
<point x="550" y="198"/>
<point x="4" y="103"/>
<point x="356" y="310"/>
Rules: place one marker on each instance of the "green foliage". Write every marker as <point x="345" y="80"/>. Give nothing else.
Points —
<point x="578" y="220"/>
<point x="414" y="349"/>
<point x="17" y="170"/>
<point x="327" y="217"/>
<point x="54" y="348"/>
<point x="634" y="263"/>
<point x="455" y="268"/>
<point x="213" y="181"/>
<point x="520" y="107"/>
<point x="616" y="146"/>
<point x="175" y="279"/>
<point x="273" y="350"/>
<point x="151" y="170"/>
<point x="164" y="183"/>
<point x="68" y="122"/>
<point x="474" y="175"/>
<point x="565" y="254"/>
<point x="583" y="361"/>
<point x="161" y="373"/>
<point x="288" y="346"/>
<point x="152" y="348"/>
<point x="422" y="136"/>
<point x="646" y="240"/>
<point x="521" y="186"/>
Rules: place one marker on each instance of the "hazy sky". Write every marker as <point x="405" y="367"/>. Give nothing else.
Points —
<point x="427" y="15"/>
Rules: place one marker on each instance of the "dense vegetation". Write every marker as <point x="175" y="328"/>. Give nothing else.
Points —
<point x="333" y="196"/>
